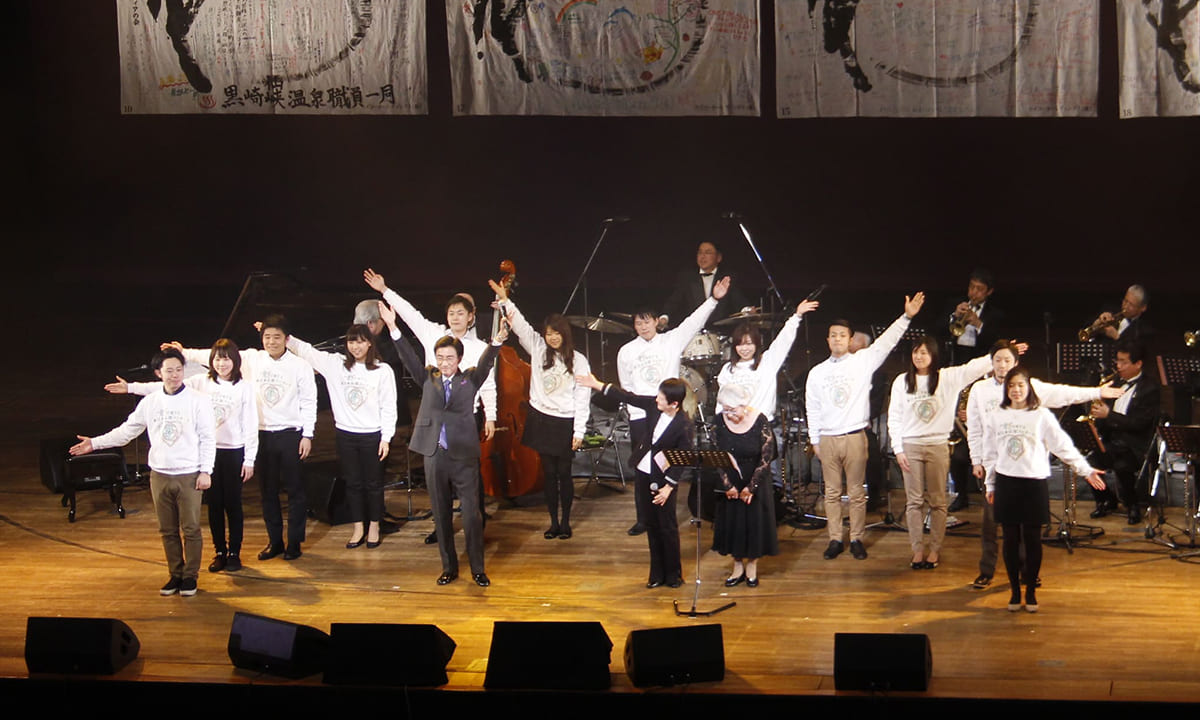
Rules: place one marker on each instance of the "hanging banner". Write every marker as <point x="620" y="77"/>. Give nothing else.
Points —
<point x="282" y="57"/>
<point x="1160" y="57"/>
<point x="604" y="57"/>
<point x="937" y="58"/>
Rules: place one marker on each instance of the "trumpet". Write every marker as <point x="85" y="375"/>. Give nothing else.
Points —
<point x="1090" y="331"/>
<point x="1191" y="338"/>
<point x="958" y="323"/>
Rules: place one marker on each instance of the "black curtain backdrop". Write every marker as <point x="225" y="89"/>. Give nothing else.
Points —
<point x="115" y="215"/>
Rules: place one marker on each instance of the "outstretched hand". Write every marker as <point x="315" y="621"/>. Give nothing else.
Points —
<point x="120" y="387"/>
<point x="501" y="292"/>
<point x="387" y="314"/>
<point x="589" y="381"/>
<point x="1096" y="479"/>
<point x="375" y="280"/>
<point x="720" y="287"/>
<point x="806" y="307"/>
<point x="912" y="305"/>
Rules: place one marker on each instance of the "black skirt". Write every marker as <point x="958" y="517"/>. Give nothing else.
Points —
<point x="547" y="434"/>
<point x="1024" y="501"/>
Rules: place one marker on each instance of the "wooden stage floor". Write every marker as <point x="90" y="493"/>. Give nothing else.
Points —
<point x="1119" y="619"/>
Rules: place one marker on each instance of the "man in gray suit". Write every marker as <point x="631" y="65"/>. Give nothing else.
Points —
<point x="445" y="434"/>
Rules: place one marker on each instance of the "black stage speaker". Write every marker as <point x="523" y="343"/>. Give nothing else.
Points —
<point x="326" y="492"/>
<point x="881" y="661"/>
<point x="548" y="656"/>
<point x="382" y="654"/>
<point x="276" y="647"/>
<point x="91" y="646"/>
<point x="675" y="656"/>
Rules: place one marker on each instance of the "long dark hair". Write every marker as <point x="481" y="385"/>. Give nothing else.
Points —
<point x="361" y="332"/>
<point x="746" y="330"/>
<point x="559" y="324"/>
<point x="1031" y="399"/>
<point x="910" y="377"/>
<point x="225" y="348"/>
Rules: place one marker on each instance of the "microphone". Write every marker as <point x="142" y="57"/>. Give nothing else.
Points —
<point x="731" y="215"/>
<point x="139" y="368"/>
<point x="653" y="488"/>
<point x="616" y="219"/>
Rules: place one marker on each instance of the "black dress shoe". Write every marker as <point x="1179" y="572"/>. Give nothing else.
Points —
<point x="751" y="582"/>
<point x="350" y="545"/>
<point x="675" y="583"/>
<point x="733" y="581"/>
<point x="834" y="549"/>
<point x="292" y="553"/>
<point x="653" y="584"/>
<point x="233" y="562"/>
<point x="481" y="579"/>
<point x="1135" y="516"/>
<point x="637" y="529"/>
<point x="431" y="538"/>
<point x="372" y="545"/>
<point x="446" y="578"/>
<point x="551" y="533"/>
<point x="564" y="533"/>
<point x="960" y="503"/>
<point x="269" y="552"/>
<point x="1102" y="509"/>
<point x="218" y="563"/>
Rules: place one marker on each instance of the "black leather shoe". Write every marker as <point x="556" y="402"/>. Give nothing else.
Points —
<point x="1135" y="516"/>
<point x="1102" y="509"/>
<point x="481" y="579"/>
<point x="355" y="543"/>
<point x="564" y="533"/>
<point x="834" y="549"/>
<point x="637" y="529"/>
<point x="373" y="545"/>
<point x="269" y="552"/>
<point x="431" y="538"/>
<point x="959" y="504"/>
<point x="218" y="563"/>
<point x="858" y="550"/>
<point x="233" y="562"/>
<point x="981" y="582"/>
<point x="734" y="581"/>
<point x="677" y="582"/>
<point x="292" y="553"/>
<point x="551" y="533"/>
<point x="446" y="578"/>
<point x="751" y="582"/>
<point x="653" y="584"/>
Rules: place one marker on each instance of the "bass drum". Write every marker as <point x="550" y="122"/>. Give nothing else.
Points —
<point x="704" y="349"/>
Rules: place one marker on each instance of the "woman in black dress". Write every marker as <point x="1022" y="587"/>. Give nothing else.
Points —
<point x="744" y="526"/>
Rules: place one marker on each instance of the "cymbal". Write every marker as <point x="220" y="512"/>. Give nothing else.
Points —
<point x="599" y="324"/>
<point x="758" y="319"/>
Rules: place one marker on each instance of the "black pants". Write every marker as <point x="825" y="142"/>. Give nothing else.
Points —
<point x="559" y="487"/>
<point x="662" y="531"/>
<point x="358" y="457"/>
<point x="1124" y="464"/>
<point x="278" y="467"/>
<point x="444" y="477"/>
<point x="1016" y="537"/>
<point x="224" y="499"/>
<point x="638" y="430"/>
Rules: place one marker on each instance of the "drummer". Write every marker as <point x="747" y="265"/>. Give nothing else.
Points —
<point x="651" y="357"/>
<point x="756" y="369"/>
<point x="692" y="287"/>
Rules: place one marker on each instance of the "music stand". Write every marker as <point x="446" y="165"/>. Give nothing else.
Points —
<point x="699" y="460"/>
<point x="1185" y="439"/>
<point x="1077" y="357"/>
<point x="1087" y="443"/>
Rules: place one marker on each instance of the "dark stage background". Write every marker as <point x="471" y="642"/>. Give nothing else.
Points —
<point x="116" y="218"/>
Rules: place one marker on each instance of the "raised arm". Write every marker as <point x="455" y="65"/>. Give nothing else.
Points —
<point x="408" y="355"/>
<point x="426" y="330"/>
<point x="323" y="362"/>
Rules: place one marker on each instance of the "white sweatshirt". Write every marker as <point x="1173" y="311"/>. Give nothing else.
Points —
<point x="1018" y="443"/>
<point x="233" y="407"/>
<point x="553" y="392"/>
<point x="923" y="419"/>
<point x="181" y="428"/>
<point x="643" y="364"/>
<point x="761" y="381"/>
<point x="363" y="401"/>
<point x="284" y="389"/>
<point x="985" y="399"/>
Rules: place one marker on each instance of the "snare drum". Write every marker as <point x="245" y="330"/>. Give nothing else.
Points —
<point x="704" y="349"/>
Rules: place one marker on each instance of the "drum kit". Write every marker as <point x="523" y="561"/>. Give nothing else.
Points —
<point x="701" y="363"/>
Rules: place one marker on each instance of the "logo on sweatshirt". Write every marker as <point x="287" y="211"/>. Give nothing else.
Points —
<point x="1015" y="447"/>
<point x="355" y="397"/>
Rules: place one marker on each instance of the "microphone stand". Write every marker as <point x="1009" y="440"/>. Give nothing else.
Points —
<point x="699" y="459"/>
<point x="582" y="281"/>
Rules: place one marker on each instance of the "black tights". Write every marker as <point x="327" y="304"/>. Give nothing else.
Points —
<point x="559" y="488"/>
<point x="1016" y="535"/>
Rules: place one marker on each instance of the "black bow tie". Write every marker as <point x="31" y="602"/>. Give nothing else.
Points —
<point x="706" y="274"/>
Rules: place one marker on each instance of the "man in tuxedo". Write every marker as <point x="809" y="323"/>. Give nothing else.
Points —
<point x="982" y="321"/>
<point x="446" y="435"/>
<point x="1127" y="426"/>
<point x="693" y="287"/>
<point x="1132" y="326"/>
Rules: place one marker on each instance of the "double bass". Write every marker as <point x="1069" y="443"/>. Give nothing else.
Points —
<point x="508" y="468"/>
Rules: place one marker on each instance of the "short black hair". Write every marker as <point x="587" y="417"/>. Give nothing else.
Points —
<point x="451" y="342"/>
<point x="984" y="276"/>
<point x="162" y="356"/>
<point x="674" y="391"/>
<point x="1135" y="350"/>
<point x="277" y="321"/>
<point x="841" y="322"/>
